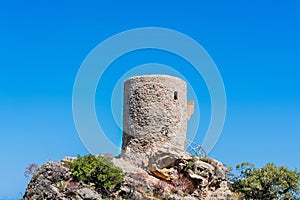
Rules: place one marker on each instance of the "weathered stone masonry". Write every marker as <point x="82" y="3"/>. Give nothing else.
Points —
<point x="155" y="114"/>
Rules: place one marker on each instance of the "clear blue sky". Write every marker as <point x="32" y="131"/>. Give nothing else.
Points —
<point x="255" y="44"/>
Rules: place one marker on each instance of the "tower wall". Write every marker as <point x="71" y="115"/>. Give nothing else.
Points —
<point x="154" y="113"/>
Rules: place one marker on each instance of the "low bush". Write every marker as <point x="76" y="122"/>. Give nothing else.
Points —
<point x="98" y="170"/>
<point x="267" y="183"/>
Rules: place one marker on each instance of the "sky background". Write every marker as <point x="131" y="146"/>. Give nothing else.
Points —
<point x="255" y="44"/>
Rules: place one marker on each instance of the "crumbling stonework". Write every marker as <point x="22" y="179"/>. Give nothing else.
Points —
<point x="155" y="115"/>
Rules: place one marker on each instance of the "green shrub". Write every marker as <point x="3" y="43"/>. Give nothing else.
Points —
<point x="190" y="163"/>
<point x="206" y="159"/>
<point x="266" y="183"/>
<point x="98" y="170"/>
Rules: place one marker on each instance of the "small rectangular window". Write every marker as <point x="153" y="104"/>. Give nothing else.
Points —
<point x="175" y="95"/>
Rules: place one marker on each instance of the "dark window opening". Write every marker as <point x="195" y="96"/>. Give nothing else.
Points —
<point x="175" y="95"/>
<point x="153" y="87"/>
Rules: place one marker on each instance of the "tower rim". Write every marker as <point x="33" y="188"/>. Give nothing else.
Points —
<point x="155" y="76"/>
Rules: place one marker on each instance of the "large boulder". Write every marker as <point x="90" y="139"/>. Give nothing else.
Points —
<point x="161" y="162"/>
<point x="54" y="181"/>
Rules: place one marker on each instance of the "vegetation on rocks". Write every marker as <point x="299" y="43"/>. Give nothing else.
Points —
<point x="188" y="177"/>
<point x="83" y="178"/>
<point x="266" y="183"/>
<point x="98" y="170"/>
<point x="30" y="170"/>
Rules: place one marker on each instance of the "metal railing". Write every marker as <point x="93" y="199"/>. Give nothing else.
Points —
<point x="194" y="148"/>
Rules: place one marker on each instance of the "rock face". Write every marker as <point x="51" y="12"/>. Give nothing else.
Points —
<point x="176" y="177"/>
<point x="54" y="181"/>
<point x="169" y="176"/>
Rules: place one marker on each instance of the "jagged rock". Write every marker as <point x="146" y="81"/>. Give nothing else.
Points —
<point x="54" y="181"/>
<point x="175" y="197"/>
<point x="219" y="167"/>
<point x="164" y="173"/>
<point x="163" y="159"/>
<point x="87" y="193"/>
<point x="160" y="163"/>
<point x="67" y="160"/>
<point x="177" y="177"/>
<point x="202" y="172"/>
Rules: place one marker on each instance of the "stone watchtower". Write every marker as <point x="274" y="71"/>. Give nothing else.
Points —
<point x="155" y="115"/>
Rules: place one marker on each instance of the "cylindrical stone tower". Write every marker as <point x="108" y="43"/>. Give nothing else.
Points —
<point x="154" y="114"/>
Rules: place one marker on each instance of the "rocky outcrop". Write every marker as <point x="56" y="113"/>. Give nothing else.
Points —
<point x="173" y="175"/>
<point x="54" y="181"/>
<point x="169" y="175"/>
